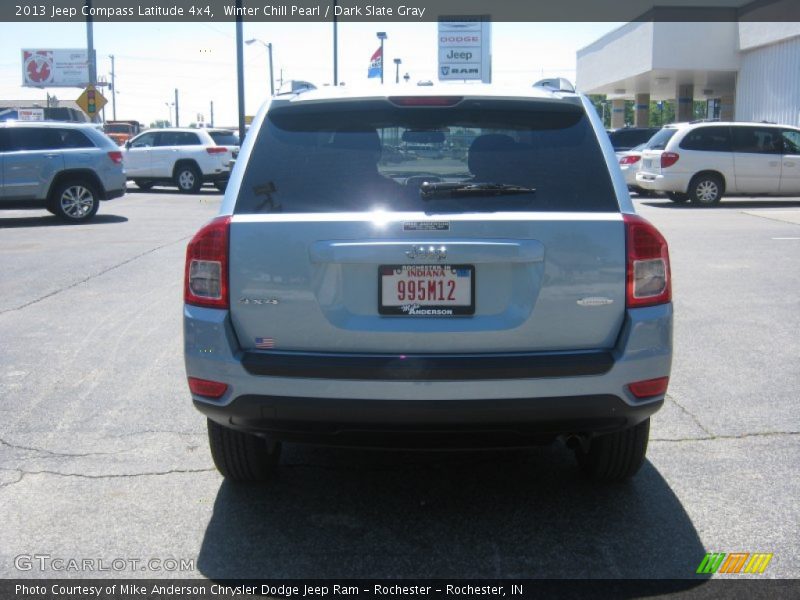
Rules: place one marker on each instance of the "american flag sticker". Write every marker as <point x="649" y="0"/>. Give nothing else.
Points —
<point x="265" y="342"/>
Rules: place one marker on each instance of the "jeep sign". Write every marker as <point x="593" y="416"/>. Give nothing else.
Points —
<point x="465" y="48"/>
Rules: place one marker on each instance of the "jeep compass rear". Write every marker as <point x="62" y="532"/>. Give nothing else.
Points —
<point x="455" y="267"/>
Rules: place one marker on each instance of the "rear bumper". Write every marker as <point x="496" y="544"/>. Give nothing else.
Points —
<point x="299" y="394"/>
<point x="662" y="182"/>
<point x="427" y="423"/>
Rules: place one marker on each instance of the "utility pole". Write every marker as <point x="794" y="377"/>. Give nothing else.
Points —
<point x="113" y="90"/>
<point x="240" y="67"/>
<point x="335" y="47"/>
<point x="90" y="48"/>
<point x="212" y="113"/>
<point x="177" y="119"/>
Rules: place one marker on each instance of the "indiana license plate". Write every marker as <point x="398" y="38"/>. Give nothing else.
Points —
<point x="426" y="290"/>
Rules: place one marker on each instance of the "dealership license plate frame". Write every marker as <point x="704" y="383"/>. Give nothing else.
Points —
<point x="462" y="310"/>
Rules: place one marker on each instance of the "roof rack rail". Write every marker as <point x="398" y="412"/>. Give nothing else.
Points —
<point x="703" y="121"/>
<point x="295" y="86"/>
<point x="557" y="84"/>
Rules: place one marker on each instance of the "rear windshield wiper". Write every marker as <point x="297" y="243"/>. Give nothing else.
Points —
<point x="436" y="189"/>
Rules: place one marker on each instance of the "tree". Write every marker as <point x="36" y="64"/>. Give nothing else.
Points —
<point x="160" y="123"/>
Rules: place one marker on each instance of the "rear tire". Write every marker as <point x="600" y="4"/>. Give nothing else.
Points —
<point x="242" y="457"/>
<point x="617" y="456"/>
<point x="678" y="197"/>
<point x="706" y="189"/>
<point x="75" y="201"/>
<point x="143" y="184"/>
<point x="221" y="185"/>
<point x="188" y="178"/>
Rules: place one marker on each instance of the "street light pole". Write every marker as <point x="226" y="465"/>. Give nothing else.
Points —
<point x="397" y="63"/>
<point x="113" y="90"/>
<point x="382" y="36"/>
<point x="268" y="46"/>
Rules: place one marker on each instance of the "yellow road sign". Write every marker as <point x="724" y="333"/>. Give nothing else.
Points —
<point x="91" y="101"/>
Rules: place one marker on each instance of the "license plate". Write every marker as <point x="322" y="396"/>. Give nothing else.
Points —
<point x="426" y="290"/>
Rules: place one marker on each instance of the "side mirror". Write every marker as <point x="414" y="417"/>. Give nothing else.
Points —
<point x="128" y="144"/>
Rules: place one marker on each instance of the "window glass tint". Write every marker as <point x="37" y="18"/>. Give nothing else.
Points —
<point x="369" y="156"/>
<point x="709" y="139"/>
<point x="224" y="138"/>
<point x="660" y="139"/>
<point x="146" y="140"/>
<point x="757" y="140"/>
<point x="178" y="138"/>
<point x="71" y="138"/>
<point x="791" y="141"/>
<point x="34" y="138"/>
<point x="4" y="140"/>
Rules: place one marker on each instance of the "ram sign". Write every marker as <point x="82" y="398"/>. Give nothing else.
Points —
<point x="54" y="68"/>
<point x="465" y="48"/>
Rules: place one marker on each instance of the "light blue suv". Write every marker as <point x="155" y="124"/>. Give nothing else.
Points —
<point x="67" y="168"/>
<point x="458" y="266"/>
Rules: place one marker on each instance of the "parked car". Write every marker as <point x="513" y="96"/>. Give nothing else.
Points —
<point x="185" y="158"/>
<point x="629" y="163"/>
<point x="512" y="297"/>
<point x="628" y="138"/>
<point x="66" y="168"/>
<point x="703" y="161"/>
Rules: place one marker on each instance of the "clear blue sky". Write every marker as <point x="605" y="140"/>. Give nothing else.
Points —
<point x="152" y="59"/>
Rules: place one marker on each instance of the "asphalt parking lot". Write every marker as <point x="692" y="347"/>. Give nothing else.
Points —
<point x="102" y="455"/>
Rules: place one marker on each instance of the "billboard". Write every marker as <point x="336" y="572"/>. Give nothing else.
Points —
<point x="55" y="68"/>
<point x="465" y="48"/>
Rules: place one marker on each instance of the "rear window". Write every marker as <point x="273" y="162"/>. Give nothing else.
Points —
<point x="224" y="138"/>
<point x="372" y="155"/>
<point x="659" y="140"/>
<point x="625" y="139"/>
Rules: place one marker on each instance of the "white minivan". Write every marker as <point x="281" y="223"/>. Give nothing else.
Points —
<point x="702" y="161"/>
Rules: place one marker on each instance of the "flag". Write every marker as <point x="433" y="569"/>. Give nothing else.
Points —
<point x="375" y="64"/>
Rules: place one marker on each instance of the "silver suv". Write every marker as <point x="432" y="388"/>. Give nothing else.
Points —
<point x="66" y="168"/>
<point x="458" y="266"/>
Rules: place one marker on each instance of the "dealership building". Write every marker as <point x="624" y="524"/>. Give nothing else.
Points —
<point x="746" y="68"/>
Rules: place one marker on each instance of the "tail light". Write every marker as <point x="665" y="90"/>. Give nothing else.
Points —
<point x="668" y="159"/>
<point x="649" y="387"/>
<point x="216" y="149"/>
<point x="629" y="160"/>
<point x="115" y="156"/>
<point x="648" y="271"/>
<point x="204" y="387"/>
<point x="206" y="275"/>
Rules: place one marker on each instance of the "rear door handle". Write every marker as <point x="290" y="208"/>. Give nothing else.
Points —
<point x="774" y="163"/>
<point x="788" y="164"/>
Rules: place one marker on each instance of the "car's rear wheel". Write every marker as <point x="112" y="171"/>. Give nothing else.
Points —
<point x="75" y="201"/>
<point x="706" y="189"/>
<point x="221" y="185"/>
<point x="188" y="178"/>
<point x="143" y="184"/>
<point x="615" y="456"/>
<point x="242" y="457"/>
<point x="678" y="197"/>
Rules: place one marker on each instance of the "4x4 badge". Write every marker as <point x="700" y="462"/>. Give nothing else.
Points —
<point x="595" y="301"/>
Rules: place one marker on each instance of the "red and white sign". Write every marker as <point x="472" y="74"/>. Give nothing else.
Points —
<point x="55" y="68"/>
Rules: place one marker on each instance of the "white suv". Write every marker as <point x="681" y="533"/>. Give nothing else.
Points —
<point x="702" y="161"/>
<point x="185" y="158"/>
